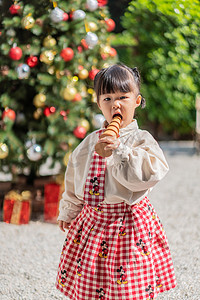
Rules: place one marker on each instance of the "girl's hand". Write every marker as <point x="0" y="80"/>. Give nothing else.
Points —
<point x="111" y="141"/>
<point x="63" y="225"/>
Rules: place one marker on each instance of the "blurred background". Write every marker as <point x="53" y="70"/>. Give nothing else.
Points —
<point x="50" y="52"/>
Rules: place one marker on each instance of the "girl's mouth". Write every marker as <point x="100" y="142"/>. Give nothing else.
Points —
<point x="117" y="115"/>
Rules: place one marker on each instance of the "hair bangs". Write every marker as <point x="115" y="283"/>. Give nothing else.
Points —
<point x="114" y="79"/>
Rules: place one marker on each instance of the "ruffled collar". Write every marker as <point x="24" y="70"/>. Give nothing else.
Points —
<point x="133" y="126"/>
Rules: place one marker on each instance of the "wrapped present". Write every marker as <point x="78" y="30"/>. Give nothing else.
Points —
<point x="52" y="195"/>
<point x="17" y="207"/>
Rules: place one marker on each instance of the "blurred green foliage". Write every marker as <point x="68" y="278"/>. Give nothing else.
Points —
<point x="165" y="46"/>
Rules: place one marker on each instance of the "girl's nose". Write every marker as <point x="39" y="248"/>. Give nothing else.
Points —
<point x="116" y="105"/>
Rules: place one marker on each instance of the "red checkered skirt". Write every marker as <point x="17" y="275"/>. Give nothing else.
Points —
<point x="115" y="252"/>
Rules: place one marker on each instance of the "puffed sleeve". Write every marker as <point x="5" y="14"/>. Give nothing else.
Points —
<point x="141" y="165"/>
<point x="70" y="205"/>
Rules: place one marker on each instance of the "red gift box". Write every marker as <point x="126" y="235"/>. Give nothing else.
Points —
<point x="52" y="195"/>
<point x="17" y="207"/>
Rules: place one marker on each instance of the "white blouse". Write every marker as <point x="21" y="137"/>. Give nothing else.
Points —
<point x="131" y="171"/>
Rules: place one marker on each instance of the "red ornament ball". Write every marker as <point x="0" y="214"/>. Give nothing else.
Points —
<point x="84" y="44"/>
<point x="113" y="52"/>
<point x="49" y="110"/>
<point x="102" y="2"/>
<point x="32" y="61"/>
<point x="110" y="24"/>
<point x="67" y="54"/>
<point x="63" y="113"/>
<point x="80" y="132"/>
<point x="77" y="98"/>
<point x="15" y="53"/>
<point x="9" y="113"/>
<point x="104" y="56"/>
<point x="80" y="49"/>
<point x="14" y="9"/>
<point x="93" y="73"/>
<point x="65" y="17"/>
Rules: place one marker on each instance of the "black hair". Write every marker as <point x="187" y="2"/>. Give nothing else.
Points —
<point x="118" y="77"/>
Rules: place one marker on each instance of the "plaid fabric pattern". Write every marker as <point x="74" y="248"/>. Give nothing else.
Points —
<point x="94" y="186"/>
<point x="116" y="252"/>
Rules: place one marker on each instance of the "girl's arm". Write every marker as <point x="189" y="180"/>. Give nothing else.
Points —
<point x="70" y="206"/>
<point x="140" y="166"/>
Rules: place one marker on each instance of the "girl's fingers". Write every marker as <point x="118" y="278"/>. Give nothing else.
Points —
<point x="60" y="224"/>
<point x="113" y="146"/>
<point x="66" y="225"/>
<point x="111" y="141"/>
<point x="63" y="225"/>
<point x="108" y="140"/>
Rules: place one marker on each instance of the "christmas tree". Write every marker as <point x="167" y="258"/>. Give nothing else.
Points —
<point x="49" y="54"/>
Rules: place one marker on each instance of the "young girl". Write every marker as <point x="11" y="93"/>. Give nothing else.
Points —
<point x="116" y="247"/>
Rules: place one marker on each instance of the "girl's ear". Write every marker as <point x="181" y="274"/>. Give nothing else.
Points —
<point x="138" y="100"/>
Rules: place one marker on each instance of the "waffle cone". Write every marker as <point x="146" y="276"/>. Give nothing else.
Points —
<point x="116" y="119"/>
<point x="113" y="127"/>
<point x="111" y="130"/>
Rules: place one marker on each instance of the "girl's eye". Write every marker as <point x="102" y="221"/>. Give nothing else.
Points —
<point x="123" y="97"/>
<point x="107" y="99"/>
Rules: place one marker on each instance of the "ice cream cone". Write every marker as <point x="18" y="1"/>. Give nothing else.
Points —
<point x="111" y="130"/>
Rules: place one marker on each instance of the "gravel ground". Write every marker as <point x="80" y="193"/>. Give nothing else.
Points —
<point x="29" y="254"/>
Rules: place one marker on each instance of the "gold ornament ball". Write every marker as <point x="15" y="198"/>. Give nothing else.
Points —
<point x="49" y="42"/>
<point x="28" y="22"/>
<point x="69" y="93"/>
<point x="95" y="61"/>
<point x="71" y="141"/>
<point x="84" y="123"/>
<point x="3" y="151"/>
<point x="106" y="65"/>
<point x="94" y="98"/>
<point x="37" y="113"/>
<point x="92" y="26"/>
<point x="66" y="158"/>
<point x="84" y="91"/>
<point x="51" y="70"/>
<point x="39" y="100"/>
<point x="83" y="74"/>
<point x="105" y="50"/>
<point x="47" y="57"/>
<point x="59" y="74"/>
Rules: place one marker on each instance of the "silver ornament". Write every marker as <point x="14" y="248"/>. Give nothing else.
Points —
<point x="78" y="15"/>
<point x="10" y="32"/>
<point x="98" y="120"/>
<point x="56" y="15"/>
<point x="92" y="5"/>
<point x="28" y="144"/>
<point x="23" y="71"/>
<point x="91" y="39"/>
<point x="34" y="153"/>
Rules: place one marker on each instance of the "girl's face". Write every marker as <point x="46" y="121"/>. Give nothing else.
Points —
<point x="119" y="103"/>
